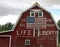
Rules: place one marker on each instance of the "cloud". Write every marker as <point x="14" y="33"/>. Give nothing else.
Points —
<point x="49" y="2"/>
<point x="10" y="9"/>
<point x="15" y="3"/>
<point x="56" y="6"/>
<point x="8" y="18"/>
<point x="16" y="6"/>
<point x="13" y="6"/>
<point x="52" y="7"/>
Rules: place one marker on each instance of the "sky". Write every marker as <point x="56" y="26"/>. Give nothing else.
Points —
<point x="10" y="10"/>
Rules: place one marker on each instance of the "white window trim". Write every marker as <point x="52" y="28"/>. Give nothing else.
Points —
<point x="32" y="12"/>
<point x="27" y="40"/>
<point x="40" y="12"/>
<point x="9" y="39"/>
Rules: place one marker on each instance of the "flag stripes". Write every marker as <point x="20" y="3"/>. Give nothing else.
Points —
<point x="39" y="22"/>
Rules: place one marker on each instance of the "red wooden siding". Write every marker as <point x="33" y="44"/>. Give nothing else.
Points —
<point x="4" y="41"/>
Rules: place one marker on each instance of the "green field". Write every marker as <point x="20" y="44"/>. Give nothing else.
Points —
<point x="58" y="45"/>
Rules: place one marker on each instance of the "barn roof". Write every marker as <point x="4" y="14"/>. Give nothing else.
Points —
<point x="35" y="4"/>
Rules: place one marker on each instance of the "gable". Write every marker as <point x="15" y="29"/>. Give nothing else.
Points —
<point x="27" y="24"/>
<point x="49" y="21"/>
<point x="46" y="15"/>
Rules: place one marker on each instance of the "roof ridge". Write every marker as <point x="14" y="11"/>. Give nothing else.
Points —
<point x="36" y="3"/>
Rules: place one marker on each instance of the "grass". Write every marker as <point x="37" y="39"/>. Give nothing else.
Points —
<point x="58" y="45"/>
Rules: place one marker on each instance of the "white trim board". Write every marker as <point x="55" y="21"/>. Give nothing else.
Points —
<point x="9" y="38"/>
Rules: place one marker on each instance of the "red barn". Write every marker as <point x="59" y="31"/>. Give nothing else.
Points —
<point x="35" y="28"/>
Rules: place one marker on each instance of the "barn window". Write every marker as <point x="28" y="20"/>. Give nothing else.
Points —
<point x="32" y="14"/>
<point x="27" y="42"/>
<point x="40" y="14"/>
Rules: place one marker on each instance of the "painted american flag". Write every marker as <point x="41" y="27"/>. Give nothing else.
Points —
<point x="33" y="22"/>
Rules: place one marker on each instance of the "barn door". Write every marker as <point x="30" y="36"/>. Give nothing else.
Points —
<point x="4" y="41"/>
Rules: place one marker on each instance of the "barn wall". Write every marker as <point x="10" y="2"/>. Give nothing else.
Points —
<point x="47" y="37"/>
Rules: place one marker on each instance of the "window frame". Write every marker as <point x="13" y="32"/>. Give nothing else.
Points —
<point x="41" y="15"/>
<point x="26" y="41"/>
<point x="31" y="13"/>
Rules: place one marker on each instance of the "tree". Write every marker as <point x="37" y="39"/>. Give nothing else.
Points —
<point x="58" y="23"/>
<point x="59" y="37"/>
<point x="0" y="27"/>
<point x="7" y="26"/>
